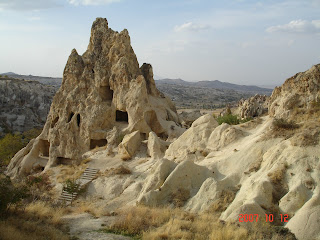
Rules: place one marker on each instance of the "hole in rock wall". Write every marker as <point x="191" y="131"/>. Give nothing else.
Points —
<point x="163" y="136"/>
<point x="53" y="123"/>
<point x="78" y="119"/>
<point x="121" y="116"/>
<point x="44" y="146"/>
<point x="97" y="143"/>
<point x="64" y="161"/>
<point x="106" y="93"/>
<point x="70" y="116"/>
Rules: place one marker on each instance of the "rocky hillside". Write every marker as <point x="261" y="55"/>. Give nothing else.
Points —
<point x="200" y="95"/>
<point x="43" y="80"/>
<point x="109" y="116"/>
<point x="24" y="104"/>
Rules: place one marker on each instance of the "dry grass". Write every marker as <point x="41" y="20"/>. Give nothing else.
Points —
<point x="280" y="188"/>
<point x="85" y="161"/>
<point x="166" y="223"/>
<point x="89" y="207"/>
<point x="277" y="175"/>
<point x="121" y="170"/>
<point x="37" y="221"/>
<point x="70" y="172"/>
<point x="221" y="204"/>
<point x="179" y="197"/>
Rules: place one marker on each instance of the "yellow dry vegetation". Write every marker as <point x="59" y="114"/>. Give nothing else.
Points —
<point x="167" y="223"/>
<point x="38" y="221"/>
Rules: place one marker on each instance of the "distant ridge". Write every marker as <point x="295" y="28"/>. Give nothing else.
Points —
<point x="44" y="80"/>
<point x="217" y="85"/>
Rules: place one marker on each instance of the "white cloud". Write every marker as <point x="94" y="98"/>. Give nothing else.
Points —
<point x="190" y="26"/>
<point x="297" y="26"/>
<point x="92" y="2"/>
<point x="27" y="5"/>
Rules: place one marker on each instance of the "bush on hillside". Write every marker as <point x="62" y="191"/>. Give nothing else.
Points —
<point x="10" y="194"/>
<point x="280" y="123"/>
<point x="10" y="144"/>
<point x="231" y="119"/>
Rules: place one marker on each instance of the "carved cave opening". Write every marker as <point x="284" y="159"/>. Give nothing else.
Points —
<point x="78" y="119"/>
<point x="54" y="122"/>
<point x="44" y="147"/>
<point x="97" y="143"/>
<point x="121" y="116"/>
<point x="70" y="116"/>
<point x="64" y="161"/>
<point x="106" y="93"/>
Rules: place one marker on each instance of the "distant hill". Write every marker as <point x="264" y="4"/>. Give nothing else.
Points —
<point x="202" y="94"/>
<point x="218" y="85"/>
<point x="43" y="80"/>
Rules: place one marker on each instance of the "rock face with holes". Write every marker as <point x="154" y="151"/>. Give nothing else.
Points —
<point x="104" y="94"/>
<point x="253" y="107"/>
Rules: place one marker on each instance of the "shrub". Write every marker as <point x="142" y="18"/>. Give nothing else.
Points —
<point x="38" y="186"/>
<point x="73" y="187"/>
<point x="179" y="197"/>
<point x="280" y="123"/>
<point x="229" y="118"/>
<point x="10" y="194"/>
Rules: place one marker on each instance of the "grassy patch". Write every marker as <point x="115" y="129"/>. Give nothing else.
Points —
<point x="38" y="221"/>
<point x="165" y="223"/>
<point x="231" y="119"/>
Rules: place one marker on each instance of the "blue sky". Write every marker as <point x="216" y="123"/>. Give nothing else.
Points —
<point x="238" y="41"/>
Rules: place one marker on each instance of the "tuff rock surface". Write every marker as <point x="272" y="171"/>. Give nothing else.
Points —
<point x="253" y="107"/>
<point x="298" y="93"/>
<point x="104" y="95"/>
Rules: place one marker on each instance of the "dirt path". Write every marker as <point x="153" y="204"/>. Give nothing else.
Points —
<point x="85" y="227"/>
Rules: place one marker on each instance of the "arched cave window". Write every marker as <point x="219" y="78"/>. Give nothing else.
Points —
<point x="78" y="119"/>
<point x="97" y="143"/>
<point x="44" y="146"/>
<point x="121" y="116"/>
<point x="70" y="116"/>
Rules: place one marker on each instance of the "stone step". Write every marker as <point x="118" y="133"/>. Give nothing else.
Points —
<point x="88" y="175"/>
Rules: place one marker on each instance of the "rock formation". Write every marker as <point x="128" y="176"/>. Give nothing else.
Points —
<point x="24" y="104"/>
<point x="299" y="93"/>
<point x="253" y="107"/>
<point x="187" y="118"/>
<point x="104" y="95"/>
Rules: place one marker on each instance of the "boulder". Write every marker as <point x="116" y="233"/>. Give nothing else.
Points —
<point x="130" y="144"/>
<point x="193" y="140"/>
<point x="156" y="146"/>
<point x="182" y="183"/>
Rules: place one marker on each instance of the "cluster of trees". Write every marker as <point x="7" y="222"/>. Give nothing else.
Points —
<point x="10" y="144"/>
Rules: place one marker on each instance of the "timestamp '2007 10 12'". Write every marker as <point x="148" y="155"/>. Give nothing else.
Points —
<point x="255" y="217"/>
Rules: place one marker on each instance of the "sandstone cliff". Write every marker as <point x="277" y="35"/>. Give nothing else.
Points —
<point x="104" y="95"/>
